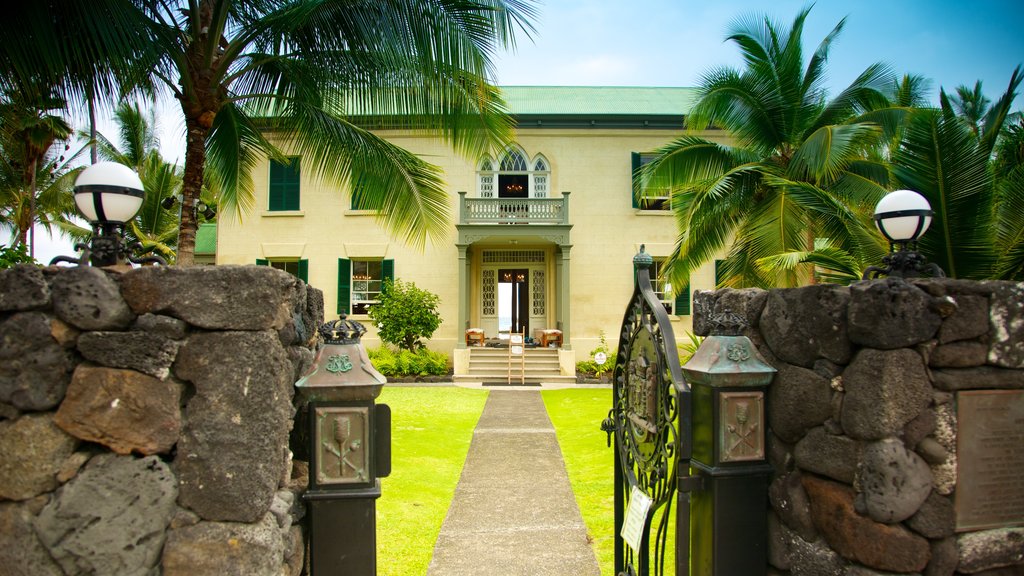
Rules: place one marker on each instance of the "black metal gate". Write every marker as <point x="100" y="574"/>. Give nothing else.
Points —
<point x="650" y="419"/>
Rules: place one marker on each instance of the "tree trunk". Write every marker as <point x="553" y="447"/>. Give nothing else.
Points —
<point x="93" y="156"/>
<point x="32" y="212"/>
<point x="191" y="186"/>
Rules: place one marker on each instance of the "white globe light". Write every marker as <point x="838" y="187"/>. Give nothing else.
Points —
<point x="903" y="216"/>
<point x="108" y="192"/>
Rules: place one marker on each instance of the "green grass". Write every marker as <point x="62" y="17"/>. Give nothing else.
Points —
<point x="576" y="415"/>
<point x="431" y="429"/>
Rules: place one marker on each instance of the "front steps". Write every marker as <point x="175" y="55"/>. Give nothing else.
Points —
<point x="491" y="365"/>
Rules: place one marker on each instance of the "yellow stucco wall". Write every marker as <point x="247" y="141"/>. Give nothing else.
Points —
<point x="593" y="164"/>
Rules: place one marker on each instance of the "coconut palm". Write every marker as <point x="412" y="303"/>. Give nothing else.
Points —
<point x="799" y="170"/>
<point x="34" y="170"/>
<point x="304" y="70"/>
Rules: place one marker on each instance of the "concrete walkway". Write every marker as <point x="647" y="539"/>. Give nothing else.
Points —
<point x="514" y="512"/>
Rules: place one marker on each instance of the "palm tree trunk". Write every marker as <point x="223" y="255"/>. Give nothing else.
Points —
<point x="32" y="212"/>
<point x="93" y="156"/>
<point x="191" y="186"/>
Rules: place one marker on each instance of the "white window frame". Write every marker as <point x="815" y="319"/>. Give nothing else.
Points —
<point x="360" y="306"/>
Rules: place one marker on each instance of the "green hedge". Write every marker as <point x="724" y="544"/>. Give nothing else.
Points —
<point x="422" y="362"/>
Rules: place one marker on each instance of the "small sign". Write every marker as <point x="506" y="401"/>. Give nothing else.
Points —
<point x="636" y="518"/>
<point x="517" y="339"/>
<point x="600" y="358"/>
<point x="517" y="350"/>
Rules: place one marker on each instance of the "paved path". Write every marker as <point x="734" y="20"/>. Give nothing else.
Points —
<point x="514" y="512"/>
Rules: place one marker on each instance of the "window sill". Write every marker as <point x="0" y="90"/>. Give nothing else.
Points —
<point x="282" y="213"/>
<point x="640" y="212"/>
<point x="361" y="212"/>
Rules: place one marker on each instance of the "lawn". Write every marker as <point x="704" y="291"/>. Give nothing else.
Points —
<point x="576" y="415"/>
<point x="431" y="430"/>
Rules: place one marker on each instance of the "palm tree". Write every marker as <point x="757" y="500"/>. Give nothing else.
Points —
<point x="978" y="197"/>
<point x="155" y="228"/>
<point x="303" y="70"/>
<point x="970" y="105"/>
<point x="799" y="171"/>
<point x="29" y="130"/>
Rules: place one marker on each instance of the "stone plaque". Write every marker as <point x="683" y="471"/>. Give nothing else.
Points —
<point x="742" y="430"/>
<point x="990" y="465"/>
<point x="342" y="444"/>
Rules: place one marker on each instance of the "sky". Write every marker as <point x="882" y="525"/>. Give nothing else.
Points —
<point x="673" y="42"/>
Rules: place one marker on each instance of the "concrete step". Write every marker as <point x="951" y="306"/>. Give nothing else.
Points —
<point x="530" y="379"/>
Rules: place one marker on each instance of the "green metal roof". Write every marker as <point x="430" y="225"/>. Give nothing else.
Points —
<point x="599" y="100"/>
<point x="206" y="238"/>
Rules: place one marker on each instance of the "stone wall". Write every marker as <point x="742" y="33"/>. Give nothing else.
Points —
<point x="144" y="420"/>
<point x="863" y="420"/>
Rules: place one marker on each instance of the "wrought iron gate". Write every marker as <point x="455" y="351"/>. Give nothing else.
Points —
<point x="650" y="420"/>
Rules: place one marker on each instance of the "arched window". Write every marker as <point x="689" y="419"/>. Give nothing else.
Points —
<point x="514" y="160"/>
<point x="485" y="178"/>
<point x="513" y="176"/>
<point x="540" y="177"/>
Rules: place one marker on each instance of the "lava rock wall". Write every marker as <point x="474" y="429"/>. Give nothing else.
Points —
<point x="863" y="419"/>
<point x="145" y="417"/>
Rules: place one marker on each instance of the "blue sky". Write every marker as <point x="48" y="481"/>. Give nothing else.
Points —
<point x="672" y="42"/>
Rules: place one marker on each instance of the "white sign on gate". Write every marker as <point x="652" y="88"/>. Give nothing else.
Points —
<point x="636" y="518"/>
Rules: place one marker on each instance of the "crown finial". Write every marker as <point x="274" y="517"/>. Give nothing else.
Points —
<point x="342" y="331"/>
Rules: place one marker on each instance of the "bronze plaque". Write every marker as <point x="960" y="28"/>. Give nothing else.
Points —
<point x="990" y="465"/>
<point x="342" y="444"/>
<point x="741" y="433"/>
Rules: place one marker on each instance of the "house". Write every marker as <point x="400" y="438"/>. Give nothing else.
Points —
<point x="542" y="234"/>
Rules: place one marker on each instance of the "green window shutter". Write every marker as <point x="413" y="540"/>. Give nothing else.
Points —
<point x="344" y="285"/>
<point x="304" y="270"/>
<point x="682" y="304"/>
<point x="635" y="156"/>
<point x="387" y="272"/>
<point x="719" y="273"/>
<point x="261" y="262"/>
<point x="284" y="185"/>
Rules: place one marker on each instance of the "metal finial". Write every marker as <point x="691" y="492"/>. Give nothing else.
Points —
<point x="727" y="323"/>
<point x="643" y="260"/>
<point x="342" y="331"/>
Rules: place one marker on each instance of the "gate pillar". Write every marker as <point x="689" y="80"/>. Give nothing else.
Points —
<point x="349" y="450"/>
<point x="729" y="468"/>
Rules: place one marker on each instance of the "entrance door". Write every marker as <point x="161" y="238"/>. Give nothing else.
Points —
<point x="513" y="300"/>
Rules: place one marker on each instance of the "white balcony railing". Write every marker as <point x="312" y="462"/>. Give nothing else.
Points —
<point x="514" y="210"/>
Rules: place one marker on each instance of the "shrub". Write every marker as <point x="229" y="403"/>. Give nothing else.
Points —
<point x="405" y="314"/>
<point x="590" y="367"/>
<point x="10" y="257"/>
<point x="398" y="363"/>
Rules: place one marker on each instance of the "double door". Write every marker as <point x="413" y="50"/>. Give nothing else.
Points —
<point x="513" y="299"/>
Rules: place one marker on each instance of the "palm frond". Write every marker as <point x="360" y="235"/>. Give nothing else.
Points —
<point x="940" y="160"/>
<point x="233" y="149"/>
<point x="1010" y="226"/>
<point x="407" y="192"/>
<point x="992" y="125"/>
<point x="827" y="152"/>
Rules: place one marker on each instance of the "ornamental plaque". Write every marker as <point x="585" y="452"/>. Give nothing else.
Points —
<point x="990" y="457"/>
<point x="742" y="426"/>
<point x="342" y="444"/>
